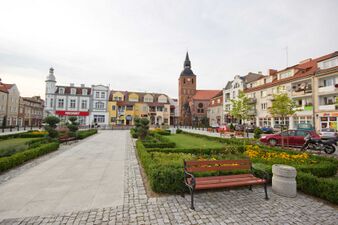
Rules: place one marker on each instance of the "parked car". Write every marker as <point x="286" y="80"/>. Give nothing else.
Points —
<point x="239" y="127"/>
<point x="222" y="128"/>
<point x="267" y="130"/>
<point x="290" y="137"/>
<point x="328" y="133"/>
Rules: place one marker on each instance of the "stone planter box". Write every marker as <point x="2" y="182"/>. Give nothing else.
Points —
<point x="284" y="180"/>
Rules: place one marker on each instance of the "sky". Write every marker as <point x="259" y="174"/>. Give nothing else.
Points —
<point x="140" y="45"/>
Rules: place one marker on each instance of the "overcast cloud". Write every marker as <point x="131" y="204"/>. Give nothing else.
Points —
<point x="140" y="45"/>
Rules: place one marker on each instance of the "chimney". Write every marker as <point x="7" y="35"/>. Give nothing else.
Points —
<point x="272" y="72"/>
<point x="260" y="72"/>
<point x="82" y="85"/>
<point x="72" y="84"/>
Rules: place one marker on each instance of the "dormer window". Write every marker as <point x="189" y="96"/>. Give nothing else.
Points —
<point x="84" y="91"/>
<point x="61" y="91"/>
<point x="72" y="91"/>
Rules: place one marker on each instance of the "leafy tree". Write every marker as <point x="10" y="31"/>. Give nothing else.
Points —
<point x="205" y="121"/>
<point x="257" y="133"/>
<point x="52" y="122"/>
<point x="240" y="107"/>
<point x="282" y="106"/>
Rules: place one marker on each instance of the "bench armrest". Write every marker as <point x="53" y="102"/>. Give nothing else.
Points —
<point x="193" y="181"/>
<point x="266" y="175"/>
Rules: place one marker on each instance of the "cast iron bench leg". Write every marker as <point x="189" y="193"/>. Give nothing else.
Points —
<point x="192" y="198"/>
<point x="250" y="187"/>
<point x="266" y="192"/>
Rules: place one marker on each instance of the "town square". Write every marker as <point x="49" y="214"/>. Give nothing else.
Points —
<point x="180" y="112"/>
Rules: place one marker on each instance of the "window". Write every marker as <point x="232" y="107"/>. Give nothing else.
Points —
<point x="73" y="91"/>
<point x="84" y="91"/>
<point x="159" y="109"/>
<point x="99" y="118"/>
<point x="302" y="133"/>
<point x="51" y="102"/>
<point x="103" y="95"/>
<point x="328" y="82"/>
<point x="264" y="106"/>
<point x="129" y="107"/>
<point x="97" y="94"/>
<point x="99" y="105"/>
<point x="61" y="103"/>
<point x="61" y="91"/>
<point x="84" y="104"/>
<point x="113" y="107"/>
<point x="263" y="94"/>
<point x="72" y="104"/>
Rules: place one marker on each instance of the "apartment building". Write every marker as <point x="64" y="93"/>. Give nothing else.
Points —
<point x="31" y="111"/>
<point x="99" y="108"/>
<point x="326" y="86"/>
<point x="65" y="101"/>
<point x="231" y="91"/>
<point x="215" y="110"/>
<point x="303" y="83"/>
<point x="3" y="104"/>
<point x="9" y="104"/>
<point x="125" y="106"/>
<point x="174" y="111"/>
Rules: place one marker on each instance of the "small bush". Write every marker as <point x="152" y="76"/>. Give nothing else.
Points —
<point x="82" y="134"/>
<point x="178" y="131"/>
<point x="257" y="133"/>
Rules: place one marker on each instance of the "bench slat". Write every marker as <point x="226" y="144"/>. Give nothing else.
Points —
<point x="230" y="184"/>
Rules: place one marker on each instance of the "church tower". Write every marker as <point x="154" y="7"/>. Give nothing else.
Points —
<point x="186" y="90"/>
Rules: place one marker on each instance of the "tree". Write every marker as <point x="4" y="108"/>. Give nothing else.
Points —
<point x="240" y="107"/>
<point x="52" y="122"/>
<point x="282" y="106"/>
<point x="142" y="127"/>
<point x="73" y="126"/>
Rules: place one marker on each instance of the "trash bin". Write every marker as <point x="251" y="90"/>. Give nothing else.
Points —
<point x="284" y="180"/>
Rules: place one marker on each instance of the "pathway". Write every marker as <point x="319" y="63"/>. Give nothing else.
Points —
<point x="239" y="206"/>
<point x="89" y="175"/>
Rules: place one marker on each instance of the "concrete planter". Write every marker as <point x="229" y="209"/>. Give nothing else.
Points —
<point x="284" y="180"/>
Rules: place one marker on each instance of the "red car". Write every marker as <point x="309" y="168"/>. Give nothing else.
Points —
<point x="291" y="137"/>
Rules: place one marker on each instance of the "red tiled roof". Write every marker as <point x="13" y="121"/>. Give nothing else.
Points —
<point x="5" y="87"/>
<point x="78" y="89"/>
<point x="205" y="94"/>
<point x="304" y="70"/>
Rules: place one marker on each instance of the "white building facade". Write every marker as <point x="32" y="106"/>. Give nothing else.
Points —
<point x="99" y="106"/>
<point x="65" y="101"/>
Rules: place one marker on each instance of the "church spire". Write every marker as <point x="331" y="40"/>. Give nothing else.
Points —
<point x="187" y="63"/>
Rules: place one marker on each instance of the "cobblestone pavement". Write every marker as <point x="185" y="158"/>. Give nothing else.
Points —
<point x="239" y="206"/>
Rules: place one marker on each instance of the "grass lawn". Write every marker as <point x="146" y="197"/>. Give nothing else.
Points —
<point x="187" y="141"/>
<point x="10" y="146"/>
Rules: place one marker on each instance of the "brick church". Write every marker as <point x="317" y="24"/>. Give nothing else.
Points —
<point x="193" y="103"/>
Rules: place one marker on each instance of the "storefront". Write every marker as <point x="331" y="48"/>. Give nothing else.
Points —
<point x="328" y="120"/>
<point x="82" y="116"/>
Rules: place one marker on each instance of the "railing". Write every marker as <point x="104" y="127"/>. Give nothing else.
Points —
<point x="300" y="93"/>
<point x="327" y="107"/>
<point x="327" y="89"/>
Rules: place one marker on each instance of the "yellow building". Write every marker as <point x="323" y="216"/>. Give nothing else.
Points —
<point x="125" y="106"/>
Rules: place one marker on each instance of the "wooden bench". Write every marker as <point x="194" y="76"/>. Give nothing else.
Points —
<point x="66" y="139"/>
<point x="226" y="181"/>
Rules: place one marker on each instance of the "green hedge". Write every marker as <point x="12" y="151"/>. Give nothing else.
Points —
<point x="82" y="134"/>
<point x="27" y="134"/>
<point x="325" y="188"/>
<point x="21" y="157"/>
<point x="156" y="140"/>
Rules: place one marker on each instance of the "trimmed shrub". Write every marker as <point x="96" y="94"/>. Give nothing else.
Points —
<point x="28" y="134"/>
<point x="326" y="188"/>
<point x="156" y="140"/>
<point x="82" y="134"/>
<point x="178" y="131"/>
<point x="21" y="157"/>
<point x="229" y="149"/>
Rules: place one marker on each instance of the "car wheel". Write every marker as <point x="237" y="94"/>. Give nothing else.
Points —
<point x="273" y="142"/>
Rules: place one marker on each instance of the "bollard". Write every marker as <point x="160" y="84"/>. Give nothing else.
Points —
<point x="284" y="180"/>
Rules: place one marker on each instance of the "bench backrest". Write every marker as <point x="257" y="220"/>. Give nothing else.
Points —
<point x="217" y="165"/>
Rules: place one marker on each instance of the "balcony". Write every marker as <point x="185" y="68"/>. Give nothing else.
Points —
<point x="327" y="107"/>
<point x="301" y="93"/>
<point x="327" y="89"/>
<point x="252" y="100"/>
<point x="252" y="112"/>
